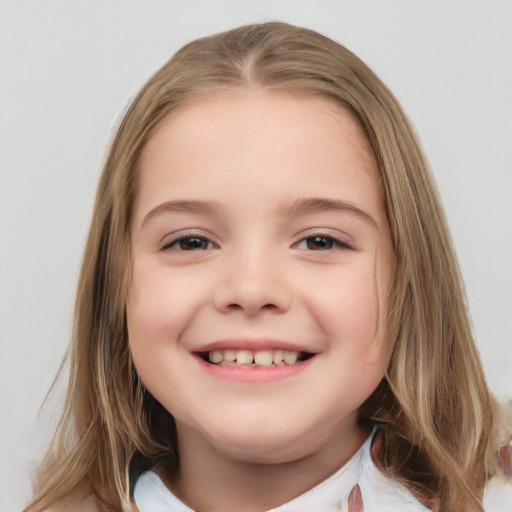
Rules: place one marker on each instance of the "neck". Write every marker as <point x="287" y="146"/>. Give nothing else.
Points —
<point x="211" y="481"/>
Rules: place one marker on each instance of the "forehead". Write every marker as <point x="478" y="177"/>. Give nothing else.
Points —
<point x="202" y="115"/>
<point x="255" y="140"/>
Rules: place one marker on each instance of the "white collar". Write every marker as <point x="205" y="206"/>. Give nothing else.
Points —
<point x="380" y="494"/>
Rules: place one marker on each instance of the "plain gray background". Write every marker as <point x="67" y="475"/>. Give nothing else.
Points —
<point x="68" y="70"/>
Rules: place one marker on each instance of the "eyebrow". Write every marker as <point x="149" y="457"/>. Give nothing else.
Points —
<point x="298" y="207"/>
<point x="182" y="206"/>
<point x="309" y="205"/>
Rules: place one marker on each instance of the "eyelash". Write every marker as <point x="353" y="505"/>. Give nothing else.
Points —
<point x="168" y="244"/>
<point x="332" y="241"/>
<point x="203" y="243"/>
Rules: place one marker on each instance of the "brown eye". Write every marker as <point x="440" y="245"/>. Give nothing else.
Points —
<point x="188" y="243"/>
<point x="193" y="243"/>
<point x="322" y="242"/>
<point x="319" y="243"/>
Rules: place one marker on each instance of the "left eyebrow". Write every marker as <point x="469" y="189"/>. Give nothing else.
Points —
<point x="310" y="205"/>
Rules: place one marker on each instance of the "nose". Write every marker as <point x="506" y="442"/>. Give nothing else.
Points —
<point x="253" y="283"/>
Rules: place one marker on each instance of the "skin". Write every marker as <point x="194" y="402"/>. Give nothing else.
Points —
<point x="260" y="276"/>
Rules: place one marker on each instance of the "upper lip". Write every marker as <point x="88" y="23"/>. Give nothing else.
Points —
<point x="254" y="344"/>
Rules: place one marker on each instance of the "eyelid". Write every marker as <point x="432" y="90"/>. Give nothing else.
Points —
<point x="172" y="238"/>
<point x="339" y="238"/>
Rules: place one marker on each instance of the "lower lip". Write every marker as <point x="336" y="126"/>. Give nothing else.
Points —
<point x="253" y="374"/>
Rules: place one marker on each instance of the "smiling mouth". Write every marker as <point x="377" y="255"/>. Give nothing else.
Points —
<point x="260" y="358"/>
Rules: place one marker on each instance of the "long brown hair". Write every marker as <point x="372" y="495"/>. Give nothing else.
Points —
<point x="433" y="406"/>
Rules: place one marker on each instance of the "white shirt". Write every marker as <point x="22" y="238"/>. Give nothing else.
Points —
<point x="380" y="494"/>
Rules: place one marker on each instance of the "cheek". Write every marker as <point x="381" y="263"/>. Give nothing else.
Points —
<point x="145" y="310"/>
<point x="350" y="310"/>
<point x="347" y="306"/>
<point x="156" y="314"/>
<point x="158" y="308"/>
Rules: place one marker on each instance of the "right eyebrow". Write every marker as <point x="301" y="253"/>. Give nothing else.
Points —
<point x="181" y="206"/>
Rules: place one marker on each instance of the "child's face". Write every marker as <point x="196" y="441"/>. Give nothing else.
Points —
<point x="260" y="227"/>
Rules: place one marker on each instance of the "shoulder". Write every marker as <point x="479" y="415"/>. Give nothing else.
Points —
<point x="387" y="494"/>
<point x="498" y="496"/>
<point x="87" y="503"/>
<point x="152" y="495"/>
<point x="90" y="504"/>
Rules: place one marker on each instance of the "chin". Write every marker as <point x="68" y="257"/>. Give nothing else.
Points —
<point x="265" y="445"/>
<point x="269" y="452"/>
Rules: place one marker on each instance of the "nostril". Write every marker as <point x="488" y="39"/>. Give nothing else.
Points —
<point x="236" y="306"/>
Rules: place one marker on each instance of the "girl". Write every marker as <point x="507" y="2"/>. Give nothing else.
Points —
<point x="270" y="315"/>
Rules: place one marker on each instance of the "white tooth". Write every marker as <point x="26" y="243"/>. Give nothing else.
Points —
<point x="228" y="363"/>
<point x="278" y="357"/>
<point x="244" y="357"/>
<point x="263" y="358"/>
<point x="229" y="355"/>
<point x="215" y="356"/>
<point x="290" y="357"/>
